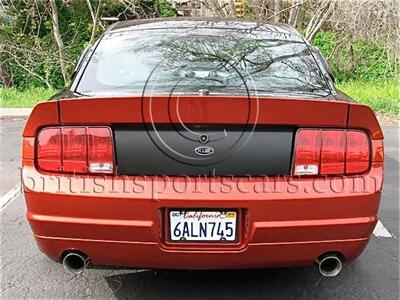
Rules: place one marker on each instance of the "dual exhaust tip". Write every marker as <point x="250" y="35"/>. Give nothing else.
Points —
<point x="329" y="265"/>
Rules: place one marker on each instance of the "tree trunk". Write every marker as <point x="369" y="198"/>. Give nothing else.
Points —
<point x="277" y="9"/>
<point x="95" y="16"/>
<point x="59" y="41"/>
<point x="318" y="19"/>
<point x="5" y="77"/>
<point x="296" y="23"/>
<point x="294" y="13"/>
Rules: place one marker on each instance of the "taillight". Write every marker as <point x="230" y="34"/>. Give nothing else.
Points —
<point x="49" y="149"/>
<point x="333" y="147"/>
<point x="357" y="152"/>
<point x="74" y="152"/>
<point x="308" y="150"/>
<point x="75" y="149"/>
<point x="100" y="152"/>
<point x="331" y="152"/>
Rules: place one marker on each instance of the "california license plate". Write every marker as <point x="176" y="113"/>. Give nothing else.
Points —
<point x="214" y="226"/>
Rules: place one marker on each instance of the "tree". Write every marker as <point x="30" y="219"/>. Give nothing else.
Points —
<point x="59" y="41"/>
<point x="322" y="12"/>
<point x="277" y="9"/>
<point x="95" y="17"/>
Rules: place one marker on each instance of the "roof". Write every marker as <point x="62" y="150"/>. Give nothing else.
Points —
<point x="218" y="23"/>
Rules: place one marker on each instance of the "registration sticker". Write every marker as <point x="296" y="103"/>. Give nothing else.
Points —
<point x="204" y="225"/>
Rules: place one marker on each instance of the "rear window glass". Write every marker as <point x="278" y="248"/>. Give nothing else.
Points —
<point x="188" y="60"/>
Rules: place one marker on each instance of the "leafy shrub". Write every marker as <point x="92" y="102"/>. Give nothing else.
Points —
<point x="357" y="60"/>
<point x="165" y="9"/>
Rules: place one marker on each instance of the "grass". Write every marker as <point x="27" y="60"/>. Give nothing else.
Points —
<point x="28" y="98"/>
<point x="381" y="95"/>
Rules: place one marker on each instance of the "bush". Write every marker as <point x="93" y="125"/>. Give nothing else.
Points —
<point x="357" y="60"/>
<point x="165" y="9"/>
<point x="30" y="43"/>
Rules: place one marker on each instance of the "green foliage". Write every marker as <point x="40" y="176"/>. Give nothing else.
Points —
<point x="325" y="41"/>
<point x="165" y="9"/>
<point x="29" y="36"/>
<point x="248" y="11"/>
<point x="380" y="95"/>
<point x="12" y="97"/>
<point x="28" y="33"/>
<point x="357" y="59"/>
<point x="26" y="30"/>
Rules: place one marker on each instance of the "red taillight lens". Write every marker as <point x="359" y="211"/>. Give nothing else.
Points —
<point x="100" y="150"/>
<point x="75" y="149"/>
<point x="331" y="152"/>
<point x="357" y="152"/>
<point x="49" y="149"/>
<point x="308" y="149"/>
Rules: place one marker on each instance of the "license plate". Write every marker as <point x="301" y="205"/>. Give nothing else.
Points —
<point x="213" y="226"/>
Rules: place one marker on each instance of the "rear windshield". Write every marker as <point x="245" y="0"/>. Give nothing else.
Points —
<point x="221" y="61"/>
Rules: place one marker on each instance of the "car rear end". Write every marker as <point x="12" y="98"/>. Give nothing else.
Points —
<point x="202" y="180"/>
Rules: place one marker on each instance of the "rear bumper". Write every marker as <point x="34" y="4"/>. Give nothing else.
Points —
<point x="151" y="255"/>
<point x="282" y="228"/>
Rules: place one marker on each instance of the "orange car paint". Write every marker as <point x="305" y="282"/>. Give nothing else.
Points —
<point x="276" y="229"/>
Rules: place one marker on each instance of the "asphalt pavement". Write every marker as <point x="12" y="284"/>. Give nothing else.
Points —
<point x="26" y="273"/>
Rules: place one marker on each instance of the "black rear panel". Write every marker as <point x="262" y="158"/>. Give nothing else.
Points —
<point x="224" y="150"/>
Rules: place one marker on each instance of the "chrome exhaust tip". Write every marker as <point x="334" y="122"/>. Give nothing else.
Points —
<point x="329" y="265"/>
<point x="75" y="262"/>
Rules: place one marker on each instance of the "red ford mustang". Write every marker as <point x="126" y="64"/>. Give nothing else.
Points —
<point x="200" y="144"/>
